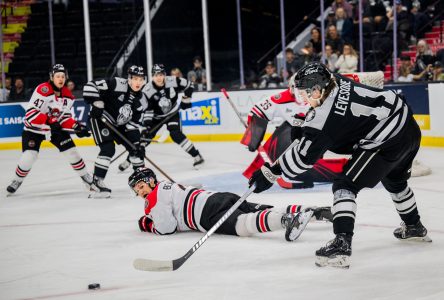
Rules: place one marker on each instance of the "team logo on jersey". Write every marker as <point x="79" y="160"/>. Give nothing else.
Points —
<point x="310" y="115"/>
<point x="121" y="97"/>
<point x="165" y="105"/>
<point x="277" y="97"/>
<point x="31" y="143"/>
<point x="125" y="114"/>
<point x="205" y="112"/>
<point x="45" y="89"/>
<point x="105" y="132"/>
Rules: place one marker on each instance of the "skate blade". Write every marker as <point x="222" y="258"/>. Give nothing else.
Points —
<point x="420" y="239"/>
<point x="98" y="195"/>
<point x="338" y="261"/>
<point x="304" y="218"/>
<point x="197" y="167"/>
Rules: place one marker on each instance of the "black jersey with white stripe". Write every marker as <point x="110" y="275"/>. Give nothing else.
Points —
<point x="353" y="116"/>
<point x="163" y="101"/>
<point x="123" y="106"/>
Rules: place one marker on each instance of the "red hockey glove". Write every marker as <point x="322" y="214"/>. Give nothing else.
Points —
<point x="145" y="224"/>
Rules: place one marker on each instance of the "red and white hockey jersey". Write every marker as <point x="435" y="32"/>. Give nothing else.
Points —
<point x="42" y="101"/>
<point x="283" y="105"/>
<point x="173" y="207"/>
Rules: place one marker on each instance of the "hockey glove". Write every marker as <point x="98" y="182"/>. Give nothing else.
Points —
<point x="254" y="133"/>
<point x="185" y="103"/>
<point x="96" y="112"/>
<point x="145" y="224"/>
<point x="81" y="130"/>
<point x="265" y="177"/>
<point x="138" y="152"/>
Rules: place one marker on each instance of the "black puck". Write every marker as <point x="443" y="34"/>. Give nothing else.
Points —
<point x="94" y="286"/>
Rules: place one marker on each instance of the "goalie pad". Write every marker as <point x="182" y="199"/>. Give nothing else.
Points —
<point x="254" y="134"/>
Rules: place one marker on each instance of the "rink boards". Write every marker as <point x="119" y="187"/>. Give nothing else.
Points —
<point x="212" y="119"/>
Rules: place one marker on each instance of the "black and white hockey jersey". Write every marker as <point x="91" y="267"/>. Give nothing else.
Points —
<point x="163" y="101"/>
<point x="353" y="116"/>
<point x="122" y="105"/>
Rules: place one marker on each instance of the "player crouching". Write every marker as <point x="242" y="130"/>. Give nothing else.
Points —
<point x="48" y="116"/>
<point x="171" y="207"/>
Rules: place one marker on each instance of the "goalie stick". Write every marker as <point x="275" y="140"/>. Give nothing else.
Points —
<point x="144" y="264"/>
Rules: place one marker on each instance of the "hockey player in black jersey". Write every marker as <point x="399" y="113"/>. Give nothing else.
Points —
<point x="162" y="95"/>
<point x="377" y="128"/>
<point x="120" y="101"/>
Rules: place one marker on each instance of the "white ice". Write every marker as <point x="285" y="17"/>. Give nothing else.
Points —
<point x="54" y="241"/>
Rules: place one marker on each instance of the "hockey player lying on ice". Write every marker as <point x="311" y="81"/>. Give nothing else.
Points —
<point x="292" y="110"/>
<point x="171" y="207"/>
<point x="377" y="128"/>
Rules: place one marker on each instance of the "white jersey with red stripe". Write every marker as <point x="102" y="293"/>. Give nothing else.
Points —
<point x="42" y="101"/>
<point x="283" y="105"/>
<point x="173" y="207"/>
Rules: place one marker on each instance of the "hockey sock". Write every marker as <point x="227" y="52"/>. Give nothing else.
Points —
<point x="137" y="162"/>
<point x="101" y="166"/>
<point x="344" y="211"/>
<point x="76" y="161"/>
<point x="188" y="146"/>
<point x="25" y="164"/>
<point x="261" y="221"/>
<point x="405" y="204"/>
<point x="294" y="209"/>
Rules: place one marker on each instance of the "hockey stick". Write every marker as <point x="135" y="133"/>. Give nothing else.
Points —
<point x="131" y="145"/>
<point x="143" y="264"/>
<point x="155" y="128"/>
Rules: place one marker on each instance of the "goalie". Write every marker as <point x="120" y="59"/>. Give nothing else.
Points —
<point x="171" y="207"/>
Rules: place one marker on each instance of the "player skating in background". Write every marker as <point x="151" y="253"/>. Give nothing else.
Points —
<point x="287" y="107"/>
<point x="162" y="94"/>
<point x="377" y="128"/>
<point x="120" y="101"/>
<point x="171" y="207"/>
<point x="47" y="116"/>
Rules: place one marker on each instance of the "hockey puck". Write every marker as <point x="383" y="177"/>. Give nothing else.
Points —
<point x="94" y="286"/>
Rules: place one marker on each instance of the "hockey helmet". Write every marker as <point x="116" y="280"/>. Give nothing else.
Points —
<point x="58" y="68"/>
<point x="158" y="68"/>
<point x="314" y="76"/>
<point x="136" y="71"/>
<point x="141" y="174"/>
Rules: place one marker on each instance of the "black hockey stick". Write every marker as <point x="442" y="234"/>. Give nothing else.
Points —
<point x="143" y="264"/>
<point x="155" y="128"/>
<point x="133" y="147"/>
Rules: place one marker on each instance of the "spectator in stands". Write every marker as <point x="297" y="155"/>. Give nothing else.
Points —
<point x="293" y="62"/>
<point x="423" y="63"/>
<point x="197" y="74"/>
<point x="420" y="20"/>
<point x="18" y="91"/>
<point x="348" y="61"/>
<point x="404" y="23"/>
<point x="334" y="40"/>
<point x="438" y="75"/>
<point x="405" y="70"/>
<point x="440" y="55"/>
<point x="176" y="72"/>
<point x="344" y="25"/>
<point x="378" y="13"/>
<point x="347" y="7"/>
<point x="70" y="85"/>
<point x="270" y="79"/>
<point x="328" y="21"/>
<point x="4" y="97"/>
<point x="330" y="58"/>
<point x="316" y="40"/>
<point x="308" y="55"/>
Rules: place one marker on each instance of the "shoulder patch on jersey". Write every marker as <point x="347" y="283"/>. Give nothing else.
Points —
<point x="121" y="85"/>
<point x="310" y="115"/>
<point x="45" y="89"/>
<point x="283" y="97"/>
<point x="277" y="97"/>
<point x="170" y="81"/>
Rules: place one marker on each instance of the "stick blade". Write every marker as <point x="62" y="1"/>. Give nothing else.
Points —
<point x="143" y="264"/>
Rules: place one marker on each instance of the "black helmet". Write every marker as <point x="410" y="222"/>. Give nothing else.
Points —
<point x="141" y="174"/>
<point x="136" y="71"/>
<point x="58" y="68"/>
<point x="313" y="75"/>
<point x="158" y="68"/>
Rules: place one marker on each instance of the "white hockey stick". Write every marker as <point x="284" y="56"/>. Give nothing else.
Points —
<point x="143" y="264"/>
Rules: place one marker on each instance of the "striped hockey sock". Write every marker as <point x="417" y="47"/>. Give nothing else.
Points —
<point x="258" y="222"/>
<point x="76" y="161"/>
<point x="188" y="146"/>
<point x="25" y="164"/>
<point x="405" y="204"/>
<point x="101" y="166"/>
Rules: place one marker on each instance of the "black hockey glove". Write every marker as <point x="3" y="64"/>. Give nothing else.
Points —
<point x="138" y="152"/>
<point x="185" y="103"/>
<point x="81" y="130"/>
<point x="144" y="224"/>
<point x="96" y="112"/>
<point x="56" y="130"/>
<point x="265" y="177"/>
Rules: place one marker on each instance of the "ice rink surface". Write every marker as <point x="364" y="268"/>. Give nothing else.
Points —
<point x="54" y="241"/>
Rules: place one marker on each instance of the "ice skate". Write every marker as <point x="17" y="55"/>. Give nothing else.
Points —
<point x="124" y="165"/>
<point x="295" y="224"/>
<point x="198" y="161"/>
<point x="89" y="182"/>
<point x="13" y="187"/>
<point x="101" y="190"/>
<point x="416" y="232"/>
<point x="336" y="253"/>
